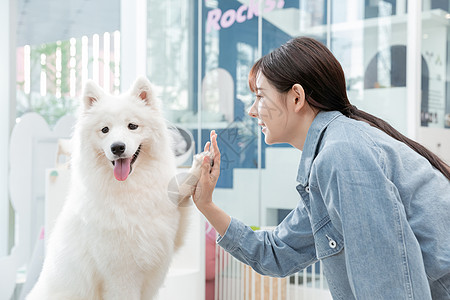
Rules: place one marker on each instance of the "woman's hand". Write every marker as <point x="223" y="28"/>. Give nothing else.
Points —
<point x="203" y="191"/>
<point x="210" y="174"/>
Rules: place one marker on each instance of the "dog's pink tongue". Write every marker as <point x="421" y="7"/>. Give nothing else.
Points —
<point x="122" y="168"/>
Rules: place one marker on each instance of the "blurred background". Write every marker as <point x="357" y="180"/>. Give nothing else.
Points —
<point x="198" y="54"/>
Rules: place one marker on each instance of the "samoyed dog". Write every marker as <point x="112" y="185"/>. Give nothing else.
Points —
<point x="118" y="230"/>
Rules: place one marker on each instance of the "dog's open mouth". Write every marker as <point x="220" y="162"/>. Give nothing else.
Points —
<point x="124" y="166"/>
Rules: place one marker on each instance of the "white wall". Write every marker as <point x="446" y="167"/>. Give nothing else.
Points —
<point x="133" y="44"/>
<point x="7" y="93"/>
<point x="7" y="109"/>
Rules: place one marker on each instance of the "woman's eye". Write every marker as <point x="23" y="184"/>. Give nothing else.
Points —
<point x="132" y="126"/>
<point x="105" y="129"/>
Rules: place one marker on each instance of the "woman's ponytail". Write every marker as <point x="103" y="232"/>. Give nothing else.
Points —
<point x="352" y="112"/>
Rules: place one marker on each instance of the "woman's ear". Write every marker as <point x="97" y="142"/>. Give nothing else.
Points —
<point x="298" y="96"/>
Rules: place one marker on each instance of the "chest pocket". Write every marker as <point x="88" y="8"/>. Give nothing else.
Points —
<point x="327" y="239"/>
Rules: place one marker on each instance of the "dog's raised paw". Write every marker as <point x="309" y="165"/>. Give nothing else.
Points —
<point x="198" y="159"/>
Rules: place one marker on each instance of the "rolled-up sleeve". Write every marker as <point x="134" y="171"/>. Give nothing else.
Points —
<point x="283" y="251"/>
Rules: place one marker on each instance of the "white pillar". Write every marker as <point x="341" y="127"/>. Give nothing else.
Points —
<point x="7" y="109"/>
<point x="413" y="74"/>
<point x="133" y="28"/>
<point x="401" y="7"/>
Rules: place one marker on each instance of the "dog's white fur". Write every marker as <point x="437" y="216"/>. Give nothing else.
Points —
<point x="115" y="239"/>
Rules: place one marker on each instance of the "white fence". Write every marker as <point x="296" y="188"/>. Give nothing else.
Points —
<point x="237" y="281"/>
<point x="51" y="76"/>
<point x="51" y="67"/>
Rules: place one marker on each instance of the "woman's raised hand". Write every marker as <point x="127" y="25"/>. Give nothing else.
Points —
<point x="210" y="174"/>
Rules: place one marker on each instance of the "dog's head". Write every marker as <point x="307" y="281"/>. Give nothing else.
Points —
<point x="119" y="129"/>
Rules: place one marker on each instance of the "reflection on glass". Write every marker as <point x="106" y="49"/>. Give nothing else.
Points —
<point x="370" y="45"/>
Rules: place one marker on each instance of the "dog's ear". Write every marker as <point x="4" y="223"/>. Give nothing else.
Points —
<point x="92" y="93"/>
<point x="142" y="88"/>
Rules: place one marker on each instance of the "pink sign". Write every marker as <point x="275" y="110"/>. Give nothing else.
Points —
<point x="217" y="19"/>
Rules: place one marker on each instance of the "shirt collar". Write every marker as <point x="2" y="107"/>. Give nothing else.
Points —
<point x="312" y="140"/>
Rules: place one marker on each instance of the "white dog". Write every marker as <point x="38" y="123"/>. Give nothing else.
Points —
<point x="118" y="230"/>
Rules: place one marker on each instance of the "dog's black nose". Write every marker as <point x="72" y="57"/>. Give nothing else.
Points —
<point x="118" y="148"/>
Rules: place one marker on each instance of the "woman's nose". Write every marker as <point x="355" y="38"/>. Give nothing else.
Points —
<point x="253" y="112"/>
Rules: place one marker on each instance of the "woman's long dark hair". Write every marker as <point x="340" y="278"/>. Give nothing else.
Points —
<point x="309" y="63"/>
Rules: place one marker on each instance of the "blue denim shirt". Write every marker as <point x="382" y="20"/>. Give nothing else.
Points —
<point x="374" y="211"/>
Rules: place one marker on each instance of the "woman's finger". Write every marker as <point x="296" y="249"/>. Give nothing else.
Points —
<point x="211" y="150"/>
<point x="215" y="146"/>
<point x="202" y="184"/>
<point x="216" y="167"/>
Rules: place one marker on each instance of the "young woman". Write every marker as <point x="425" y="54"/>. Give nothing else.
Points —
<point x="375" y="205"/>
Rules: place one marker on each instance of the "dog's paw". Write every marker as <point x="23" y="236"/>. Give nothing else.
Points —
<point x="184" y="184"/>
<point x="196" y="168"/>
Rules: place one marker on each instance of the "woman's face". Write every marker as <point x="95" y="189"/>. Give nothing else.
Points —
<point x="269" y="109"/>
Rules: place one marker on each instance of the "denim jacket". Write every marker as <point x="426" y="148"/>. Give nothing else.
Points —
<point x="375" y="212"/>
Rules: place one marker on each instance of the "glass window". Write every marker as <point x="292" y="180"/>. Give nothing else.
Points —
<point x="371" y="47"/>
<point x="230" y="46"/>
<point x="435" y="106"/>
<point x="169" y="56"/>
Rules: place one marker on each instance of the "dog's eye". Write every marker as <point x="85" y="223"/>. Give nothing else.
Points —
<point x="105" y="129"/>
<point x="132" y="126"/>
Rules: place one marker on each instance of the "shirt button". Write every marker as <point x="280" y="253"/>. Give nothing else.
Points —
<point x="307" y="189"/>
<point x="332" y="244"/>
